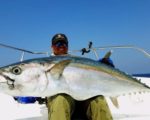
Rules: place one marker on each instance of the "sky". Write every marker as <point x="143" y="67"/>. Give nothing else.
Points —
<point x="30" y="24"/>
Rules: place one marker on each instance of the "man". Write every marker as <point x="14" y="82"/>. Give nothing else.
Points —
<point x="62" y="106"/>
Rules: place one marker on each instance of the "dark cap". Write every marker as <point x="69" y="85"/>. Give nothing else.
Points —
<point x="59" y="37"/>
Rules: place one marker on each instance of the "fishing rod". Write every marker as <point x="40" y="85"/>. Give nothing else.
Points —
<point x="22" y="50"/>
<point x="83" y="50"/>
<point x="94" y="49"/>
<point x="125" y="47"/>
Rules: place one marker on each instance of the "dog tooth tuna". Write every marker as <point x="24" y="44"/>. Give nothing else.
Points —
<point x="82" y="78"/>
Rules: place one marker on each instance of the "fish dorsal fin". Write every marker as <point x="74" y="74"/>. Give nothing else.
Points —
<point x="108" y="54"/>
<point x="57" y="70"/>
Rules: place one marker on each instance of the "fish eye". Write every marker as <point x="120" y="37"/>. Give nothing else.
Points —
<point x="16" y="70"/>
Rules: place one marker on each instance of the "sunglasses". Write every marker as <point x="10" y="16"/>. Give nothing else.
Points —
<point x="59" y="44"/>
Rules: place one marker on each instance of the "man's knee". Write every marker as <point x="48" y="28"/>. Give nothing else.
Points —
<point x="98" y="109"/>
<point x="61" y="101"/>
<point x="100" y="103"/>
<point x="59" y="107"/>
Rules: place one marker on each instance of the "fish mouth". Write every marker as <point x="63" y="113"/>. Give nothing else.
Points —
<point x="7" y="80"/>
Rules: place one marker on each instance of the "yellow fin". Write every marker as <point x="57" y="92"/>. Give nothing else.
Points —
<point x="108" y="54"/>
<point x="114" y="101"/>
<point x="57" y="70"/>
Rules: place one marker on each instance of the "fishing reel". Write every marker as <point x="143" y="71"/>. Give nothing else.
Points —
<point x="87" y="50"/>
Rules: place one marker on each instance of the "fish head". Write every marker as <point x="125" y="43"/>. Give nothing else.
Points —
<point x="21" y="78"/>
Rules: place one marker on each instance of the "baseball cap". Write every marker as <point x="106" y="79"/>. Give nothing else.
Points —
<point x="59" y="37"/>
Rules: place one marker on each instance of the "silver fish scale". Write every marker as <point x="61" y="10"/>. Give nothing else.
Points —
<point x="82" y="78"/>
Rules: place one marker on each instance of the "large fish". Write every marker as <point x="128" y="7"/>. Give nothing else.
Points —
<point x="81" y="78"/>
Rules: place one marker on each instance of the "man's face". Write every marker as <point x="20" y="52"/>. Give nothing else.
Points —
<point x="60" y="48"/>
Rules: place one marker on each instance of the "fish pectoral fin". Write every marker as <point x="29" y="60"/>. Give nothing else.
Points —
<point x="57" y="70"/>
<point x="114" y="101"/>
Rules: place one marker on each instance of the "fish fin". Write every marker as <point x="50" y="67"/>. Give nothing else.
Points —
<point x="57" y="70"/>
<point x="108" y="54"/>
<point x="114" y="101"/>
